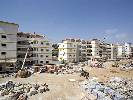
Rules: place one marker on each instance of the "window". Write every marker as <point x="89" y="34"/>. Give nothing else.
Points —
<point x="3" y="45"/>
<point x="47" y="43"/>
<point x="3" y="53"/>
<point x="34" y="49"/>
<point x="46" y="56"/>
<point x="18" y="48"/>
<point x="41" y="61"/>
<point x="41" y="49"/>
<point x="3" y="36"/>
<point x="47" y="50"/>
<point x="35" y="42"/>
<point x="41" y="55"/>
<point x="47" y="62"/>
<point x="41" y="42"/>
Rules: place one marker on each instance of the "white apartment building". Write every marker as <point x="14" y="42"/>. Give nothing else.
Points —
<point x="125" y="51"/>
<point x="114" y="52"/>
<point x="8" y="44"/>
<point x="120" y="54"/>
<point x="128" y="50"/>
<point x="68" y="50"/>
<point x="82" y="50"/>
<point x="40" y="51"/>
<point x="96" y="50"/>
<point x="86" y="50"/>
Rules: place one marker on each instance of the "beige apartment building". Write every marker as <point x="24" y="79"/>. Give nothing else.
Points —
<point x="40" y="49"/>
<point x="8" y="44"/>
<point x="68" y="50"/>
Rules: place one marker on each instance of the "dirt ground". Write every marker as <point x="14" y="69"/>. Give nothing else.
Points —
<point x="104" y="74"/>
<point x="61" y="88"/>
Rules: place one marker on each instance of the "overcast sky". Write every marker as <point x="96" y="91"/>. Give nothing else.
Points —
<point x="85" y="19"/>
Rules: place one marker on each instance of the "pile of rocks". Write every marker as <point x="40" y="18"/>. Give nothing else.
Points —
<point x="110" y="91"/>
<point x="69" y="69"/>
<point x="6" y="75"/>
<point x="122" y="86"/>
<point x="128" y="66"/>
<point x="19" y="91"/>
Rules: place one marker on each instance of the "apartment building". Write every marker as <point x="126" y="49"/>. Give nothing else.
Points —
<point x="8" y="44"/>
<point x="98" y="49"/>
<point x="114" y="51"/>
<point x="38" y="46"/>
<point x="128" y="50"/>
<point x="68" y="50"/>
<point x="88" y="50"/>
<point x="85" y="50"/>
<point x="82" y="50"/>
<point x="125" y="51"/>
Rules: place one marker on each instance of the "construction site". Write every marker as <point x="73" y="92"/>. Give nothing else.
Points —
<point x="75" y="70"/>
<point x="72" y="81"/>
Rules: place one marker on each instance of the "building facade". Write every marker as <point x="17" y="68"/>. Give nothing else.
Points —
<point x="75" y="50"/>
<point x="125" y="51"/>
<point x="14" y="45"/>
<point x="8" y="44"/>
<point x="40" y="49"/>
<point x="68" y="50"/>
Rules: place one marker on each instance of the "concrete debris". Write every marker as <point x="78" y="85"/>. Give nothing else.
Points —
<point x="18" y="91"/>
<point x="115" y="89"/>
<point x="6" y="75"/>
<point x="127" y="66"/>
<point x="123" y="65"/>
<point x="24" y="73"/>
<point x="69" y="68"/>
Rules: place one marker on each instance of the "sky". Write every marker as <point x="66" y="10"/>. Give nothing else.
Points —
<point x="108" y="20"/>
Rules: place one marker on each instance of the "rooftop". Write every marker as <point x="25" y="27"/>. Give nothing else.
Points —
<point x="8" y="23"/>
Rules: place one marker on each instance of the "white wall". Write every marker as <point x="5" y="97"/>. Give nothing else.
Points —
<point x="10" y="30"/>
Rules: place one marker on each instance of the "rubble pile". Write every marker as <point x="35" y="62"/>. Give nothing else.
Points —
<point x="24" y="73"/>
<point x="127" y="66"/>
<point x="122" y="86"/>
<point x="70" y="69"/>
<point x="113" y="90"/>
<point x="6" y="75"/>
<point x="19" y="91"/>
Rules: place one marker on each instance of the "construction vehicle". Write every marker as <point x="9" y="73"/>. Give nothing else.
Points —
<point x="23" y="72"/>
